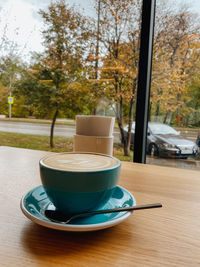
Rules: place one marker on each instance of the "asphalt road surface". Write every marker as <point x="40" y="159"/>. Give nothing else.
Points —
<point x="42" y="129"/>
<point x="61" y="130"/>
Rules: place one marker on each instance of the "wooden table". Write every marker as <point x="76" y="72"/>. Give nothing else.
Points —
<point x="169" y="236"/>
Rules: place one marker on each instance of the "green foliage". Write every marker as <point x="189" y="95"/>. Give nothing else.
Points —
<point x="11" y="68"/>
<point x="34" y="95"/>
<point x="194" y="91"/>
<point x="3" y="99"/>
<point x="56" y="80"/>
<point x="193" y="105"/>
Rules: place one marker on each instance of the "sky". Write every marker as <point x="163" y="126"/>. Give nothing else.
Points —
<point x="24" y="24"/>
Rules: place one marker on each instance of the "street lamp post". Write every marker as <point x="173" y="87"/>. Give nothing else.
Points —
<point x="10" y="102"/>
<point x="10" y="108"/>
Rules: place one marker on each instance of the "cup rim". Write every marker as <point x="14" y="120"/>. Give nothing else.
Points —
<point x="81" y="171"/>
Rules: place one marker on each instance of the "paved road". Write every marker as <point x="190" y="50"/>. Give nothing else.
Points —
<point x="42" y="129"/>
<point x="60" y="130"/>
<point x="36" y="128"/>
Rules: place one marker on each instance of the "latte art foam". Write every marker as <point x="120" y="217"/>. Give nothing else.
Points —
<point x="80" y="162"/>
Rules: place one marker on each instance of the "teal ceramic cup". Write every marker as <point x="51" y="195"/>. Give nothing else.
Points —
<point x="78" y="182"/>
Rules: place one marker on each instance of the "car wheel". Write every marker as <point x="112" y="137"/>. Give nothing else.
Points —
<point x="153" y="150"/>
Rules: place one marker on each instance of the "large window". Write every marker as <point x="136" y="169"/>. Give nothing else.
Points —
<point x="175" y="87"/>
<point x="62" y="61"/>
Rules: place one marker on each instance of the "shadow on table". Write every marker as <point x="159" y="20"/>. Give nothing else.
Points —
<point x="42" y="241"/>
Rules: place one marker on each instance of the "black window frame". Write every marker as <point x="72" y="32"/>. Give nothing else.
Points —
<point x="144" y="79"/>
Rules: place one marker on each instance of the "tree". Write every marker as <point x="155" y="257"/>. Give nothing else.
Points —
<point x="193" y="104"/>
<point x="7" y="46"/>
<point x="119" y="35"/>
<point x="11" y="68"/>
<point x="39" y="95"/>
<point x="65" y="36"/>
<point x="3" y="98"/>
<point x="176" y="54"/>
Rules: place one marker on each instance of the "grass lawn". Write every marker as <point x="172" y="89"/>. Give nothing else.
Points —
<point x="38" y="142"/>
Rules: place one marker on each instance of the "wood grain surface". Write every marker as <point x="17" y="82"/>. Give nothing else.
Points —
<point x="169" y="236"/>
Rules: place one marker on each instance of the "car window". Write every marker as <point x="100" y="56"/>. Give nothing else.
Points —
<point x="162" y="129"/>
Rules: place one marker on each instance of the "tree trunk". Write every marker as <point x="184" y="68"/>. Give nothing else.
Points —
<point x="128" y="144"/>
<point x="94" y="110"/>
<point x="120" y="125"/>
<point x="52" y="128"/>
<point x="196" y="117"/>
<point x="178" y="115"/>
<point x="168" y="117"/>
<point x="123" y="138"/>
<point x="156" y="119"/>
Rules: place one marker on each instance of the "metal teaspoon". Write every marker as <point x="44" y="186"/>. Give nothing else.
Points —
<point x="60" y="217"/>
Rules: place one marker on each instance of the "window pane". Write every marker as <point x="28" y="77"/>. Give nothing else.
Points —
<point x="63" y="61"/>
<point x="175" y="100"/>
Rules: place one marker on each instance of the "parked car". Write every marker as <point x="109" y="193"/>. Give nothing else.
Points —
<point x="164" y="141"/>
<point x="198" y="140"/>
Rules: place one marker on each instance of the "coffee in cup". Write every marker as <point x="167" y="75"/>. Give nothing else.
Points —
<point x="78" y="182"/>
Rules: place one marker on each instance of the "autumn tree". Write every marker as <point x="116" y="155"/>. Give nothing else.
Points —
<point x="176" y="53"/>
<point x="176" y="50"/>
<point x="119" y="37"/>
<point x="65" y="39"/>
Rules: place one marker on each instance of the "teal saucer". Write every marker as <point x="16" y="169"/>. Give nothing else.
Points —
<point x="34" y="203"/>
